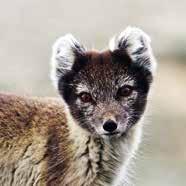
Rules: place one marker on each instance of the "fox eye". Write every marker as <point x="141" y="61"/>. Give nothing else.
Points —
<point x="125" y="91"/>
<point x="85" y="97"/>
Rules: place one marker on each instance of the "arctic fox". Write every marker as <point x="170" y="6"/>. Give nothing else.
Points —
<point x="88" y="137"/>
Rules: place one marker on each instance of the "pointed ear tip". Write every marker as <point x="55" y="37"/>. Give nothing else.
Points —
<point x="69" y="36"/>
<point x="135" y="31"/>
<point x="63" y="40"/>
<point x="66" y="36"/>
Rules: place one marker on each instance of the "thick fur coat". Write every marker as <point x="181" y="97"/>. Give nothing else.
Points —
<point x="39" y="147"/>
<point x="88" y="137"/>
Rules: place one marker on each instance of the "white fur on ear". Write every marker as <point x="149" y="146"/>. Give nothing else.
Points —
<point x="137" y="45"/>
<point x="63" y="56"/>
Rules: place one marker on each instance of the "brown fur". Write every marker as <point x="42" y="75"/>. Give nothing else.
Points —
<point x="37" y="147"/>
<point x="30" y="129"/>
<point x="62" y="142"/>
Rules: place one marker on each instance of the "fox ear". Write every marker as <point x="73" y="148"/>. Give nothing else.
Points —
<point x="64" y="53"/>
<point x="136" y="44"/>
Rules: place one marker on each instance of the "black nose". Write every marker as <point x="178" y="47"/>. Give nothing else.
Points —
<point x="110" y="126"/>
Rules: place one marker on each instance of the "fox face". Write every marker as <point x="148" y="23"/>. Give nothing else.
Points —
<point x="106" y="92"/>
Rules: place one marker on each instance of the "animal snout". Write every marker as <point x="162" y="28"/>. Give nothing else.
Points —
<point x="110" y="126"/>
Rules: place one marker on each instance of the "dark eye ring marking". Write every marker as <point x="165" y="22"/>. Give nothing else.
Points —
<point x="125" y="91"/>
<point x="86" y="97"/>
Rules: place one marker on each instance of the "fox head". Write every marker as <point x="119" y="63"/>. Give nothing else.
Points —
<point x="106" y="92"/>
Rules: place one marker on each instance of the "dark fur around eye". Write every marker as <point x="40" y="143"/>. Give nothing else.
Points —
<point x="125" y="91"/>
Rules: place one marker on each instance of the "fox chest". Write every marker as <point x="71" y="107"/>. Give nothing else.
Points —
<point x="93" y="165"/>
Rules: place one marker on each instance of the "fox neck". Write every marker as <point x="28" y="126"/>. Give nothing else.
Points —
<point x="96" y="161"/>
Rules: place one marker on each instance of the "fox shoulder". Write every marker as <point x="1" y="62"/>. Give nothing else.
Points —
<point x="20" y="114"/>
<point x="30" y="131"/>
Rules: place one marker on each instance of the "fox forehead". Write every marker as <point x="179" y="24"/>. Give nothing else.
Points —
<point x="100" y="69"/>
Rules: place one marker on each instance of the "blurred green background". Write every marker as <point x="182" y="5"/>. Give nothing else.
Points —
<point x="28" y="28"/>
